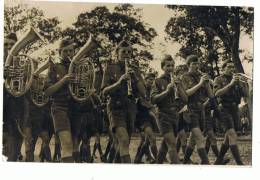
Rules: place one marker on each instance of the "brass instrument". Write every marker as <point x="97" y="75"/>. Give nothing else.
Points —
<point x="243" y="78"/>
<point x="83" y="71"/>
<point x="38" y="96"/>
<point x="19" y="67"/>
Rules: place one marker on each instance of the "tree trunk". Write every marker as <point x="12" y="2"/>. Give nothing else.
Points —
<point x="235" y="41"/>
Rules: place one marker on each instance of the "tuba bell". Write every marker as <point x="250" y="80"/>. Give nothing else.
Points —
<point x="38" y="96"/>
<point x="19" y="67"/>
<point x="83" y="70"/>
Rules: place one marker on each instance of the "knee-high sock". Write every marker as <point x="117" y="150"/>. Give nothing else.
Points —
<point x="187" y="155"/>
<point x="221" y="155"/>
<point x="236" y="155"/>
<point x="203" y="156"/>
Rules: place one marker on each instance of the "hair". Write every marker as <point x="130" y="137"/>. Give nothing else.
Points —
<point x="225" y="63"/>
<point x="149" y="74"/>
<point x="65" y="42"/>
<point x="166" y="57"/>
<point x="11" y="36"/>
<point x="124" y="44"/>
<point x="191" y="58"/>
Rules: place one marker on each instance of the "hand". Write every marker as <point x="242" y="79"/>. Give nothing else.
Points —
<point x="124" y="77"/>
<point x="171" y="86"/>
<point x="204" y="79"/>
<point x="68" y="78"/>
<point x="235" y="79"/>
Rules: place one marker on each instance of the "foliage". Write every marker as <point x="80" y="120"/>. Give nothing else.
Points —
<point x="212" y="32"/>
<point x="109" y="27"/>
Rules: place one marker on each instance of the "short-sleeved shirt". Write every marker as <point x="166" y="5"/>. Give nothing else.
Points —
<point x="196" y="100"/>
<point x="233" y="96"/>
<point x="112" y="74"/>
<point x="168" y="104"/>
<point x="56" y="72"/>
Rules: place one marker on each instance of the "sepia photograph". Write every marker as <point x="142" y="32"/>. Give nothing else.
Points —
<point x="127" y="83"/>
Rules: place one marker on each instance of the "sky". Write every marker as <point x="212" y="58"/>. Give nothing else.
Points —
<point x="156" y="15"/>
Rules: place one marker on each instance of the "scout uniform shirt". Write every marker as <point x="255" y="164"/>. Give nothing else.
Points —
<point x="168" y="105"/>
<point x="196" y="100"/>
<point x="56" y="72"/>
<point x="233" y="96"/>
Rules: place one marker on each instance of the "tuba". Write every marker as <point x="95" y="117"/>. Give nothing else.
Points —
<point x="38" y="96"/>
<point x="19" y="67"/>
<point x="83" y="70"/>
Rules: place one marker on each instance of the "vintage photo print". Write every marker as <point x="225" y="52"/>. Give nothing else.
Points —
<point x="110" y="83"/>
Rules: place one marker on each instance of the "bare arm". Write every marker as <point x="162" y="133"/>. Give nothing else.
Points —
<point x="160" y="97"/>
<point x="55" y="87"/>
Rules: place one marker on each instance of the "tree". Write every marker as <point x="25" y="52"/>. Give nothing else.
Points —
<point x="110" y="27"/>
<point x="212" y="31"/>
<point x="19" y="18"/>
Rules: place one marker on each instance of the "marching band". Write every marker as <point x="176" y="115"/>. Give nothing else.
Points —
<point x="182" y="106"/>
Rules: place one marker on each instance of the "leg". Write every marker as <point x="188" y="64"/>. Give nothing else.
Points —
<point x="232" y="137"/>
<point x="171" y="144"/>
<point x="66" y="145"/>
<point x="123" y="141"/>
<point x="189" y="149"/>
<point x="200" y="142"/>
<point x="150" y="137"/>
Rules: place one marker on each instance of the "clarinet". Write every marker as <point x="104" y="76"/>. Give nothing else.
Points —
<point x="176" y="95"/>
<point x="129" y="82"/>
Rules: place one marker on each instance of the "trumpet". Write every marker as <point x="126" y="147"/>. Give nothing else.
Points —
<point x="243" y="78"/>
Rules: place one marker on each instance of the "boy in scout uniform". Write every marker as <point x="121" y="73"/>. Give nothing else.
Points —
<point x="59" y="92"/>
<point x="146" y="124"/>
<point x="164" y="94"/>
<point x="121" y="106"/>
<point x="229" y="90"/>
<point x="14" y="112"/>
<point x="198" y="90"/>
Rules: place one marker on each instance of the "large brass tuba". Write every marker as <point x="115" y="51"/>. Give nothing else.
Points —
<point x="84" y="72"/>
<point x="19" y="67"/>
<point x="38" y="96"/>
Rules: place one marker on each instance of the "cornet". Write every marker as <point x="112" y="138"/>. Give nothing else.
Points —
<point x="243" y="78"/>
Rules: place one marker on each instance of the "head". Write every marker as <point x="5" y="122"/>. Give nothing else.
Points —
<point x="228" y="68"/>
<point x="192" y="62"/>
<point x="149" y="78"/>
<point x="167" y="64"/>
<point x="124" y="51"/>
<point x="9" y="41"/>
<point x="66" y="49"/>
<point x="180" y="70"/>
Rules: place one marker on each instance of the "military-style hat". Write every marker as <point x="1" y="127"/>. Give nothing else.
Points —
<point x="11" y="36"/>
